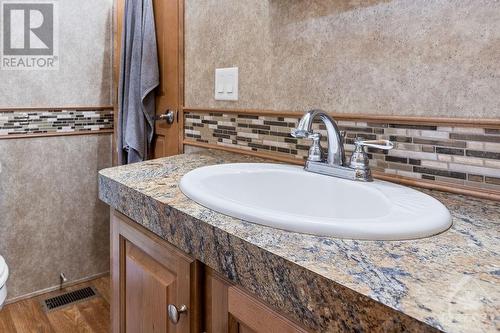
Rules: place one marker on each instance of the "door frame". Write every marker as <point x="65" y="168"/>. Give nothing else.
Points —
<point x="118" y="12"/>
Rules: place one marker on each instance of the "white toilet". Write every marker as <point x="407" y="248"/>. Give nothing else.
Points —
<point x="4" y="274"/>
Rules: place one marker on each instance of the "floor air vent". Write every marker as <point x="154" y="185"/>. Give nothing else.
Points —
<point x="71" y="297"/>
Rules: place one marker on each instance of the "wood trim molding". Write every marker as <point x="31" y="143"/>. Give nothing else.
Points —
<point x="118" y="12"/>
<point x="41" y="135"/>
<point x="50" y="108"/>
<point x="435" y="121"/>
<point x="440" y="186"/>
<point x="182" y="71"/>
<point x="432" y="185"/>
<point x="54" y="288"/>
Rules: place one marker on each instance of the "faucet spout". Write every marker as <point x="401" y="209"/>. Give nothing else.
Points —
<point x="336" y="154"/>
<point x="335" y="165"/>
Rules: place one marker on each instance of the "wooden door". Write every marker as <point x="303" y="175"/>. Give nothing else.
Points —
<point x="148" y="275"/>
<point x="229" y="309"/>
<point x="169" y="19"/>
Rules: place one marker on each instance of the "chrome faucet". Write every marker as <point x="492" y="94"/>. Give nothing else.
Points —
<point x="336" y="154"/>
<point x="335" y="163"/>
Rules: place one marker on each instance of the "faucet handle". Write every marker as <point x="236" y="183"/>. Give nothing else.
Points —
<point x="300" y="133"/>
<point x="359" y="158"/>
<point x="379" y="144"/>
<point x="315" y="152"/>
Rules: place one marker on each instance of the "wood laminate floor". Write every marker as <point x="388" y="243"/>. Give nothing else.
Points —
<point x="88" y="316"/>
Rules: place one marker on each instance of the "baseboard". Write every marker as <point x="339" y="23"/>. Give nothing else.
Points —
<point x="54" y="288"/>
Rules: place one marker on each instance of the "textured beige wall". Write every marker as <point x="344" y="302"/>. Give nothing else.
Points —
<point x="402" y="57"/>
<point x="51" y="220"/>
<point x="84" y="77"/>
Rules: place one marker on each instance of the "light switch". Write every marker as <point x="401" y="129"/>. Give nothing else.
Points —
<point x="220" y="87"/>
<point x="226" y="84"/>
<point x="229" y="87"/>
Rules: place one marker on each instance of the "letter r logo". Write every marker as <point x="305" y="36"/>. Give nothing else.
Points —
<point x="28" y="29"/>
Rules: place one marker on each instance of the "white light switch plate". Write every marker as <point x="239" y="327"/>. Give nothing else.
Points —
<point x="226" y="84"/>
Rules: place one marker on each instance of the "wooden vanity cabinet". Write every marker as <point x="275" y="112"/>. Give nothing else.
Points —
<point x="230" y="309"/>
<point x="148" y="274"/>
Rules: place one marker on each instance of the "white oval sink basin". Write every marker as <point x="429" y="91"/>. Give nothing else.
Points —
<point x="289" y="198"/>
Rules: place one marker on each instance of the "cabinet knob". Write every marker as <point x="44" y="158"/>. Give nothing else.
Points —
<point x="174" y="313"/>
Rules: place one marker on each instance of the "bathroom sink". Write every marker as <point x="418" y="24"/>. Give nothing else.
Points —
<point x="289" y="198"/>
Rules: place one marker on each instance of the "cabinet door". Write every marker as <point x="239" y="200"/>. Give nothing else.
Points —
<point x="229" y="309"/>
<point x="148" y="275"/>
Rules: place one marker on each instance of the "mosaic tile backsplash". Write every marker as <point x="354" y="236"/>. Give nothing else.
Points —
<point x="468" y="156"/>
<point x="54" y="121"/>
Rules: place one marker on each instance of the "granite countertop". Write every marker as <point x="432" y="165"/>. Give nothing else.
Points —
<point x="448" y="282"/>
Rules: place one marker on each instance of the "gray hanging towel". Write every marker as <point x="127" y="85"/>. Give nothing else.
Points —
<point x="139" y="76"/>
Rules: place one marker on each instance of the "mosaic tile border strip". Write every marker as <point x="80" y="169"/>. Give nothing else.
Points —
<point x="465" y="156"/>
<point x="54" y="121"/>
